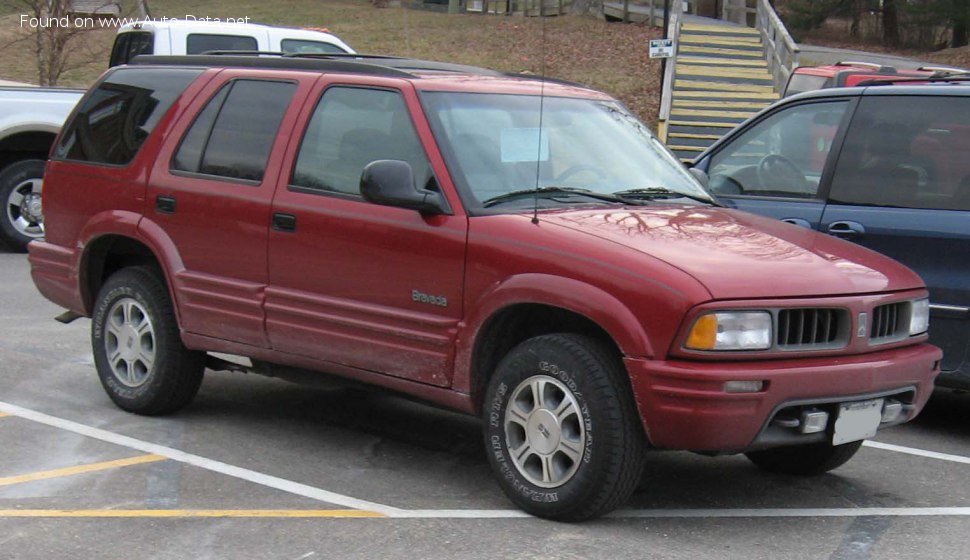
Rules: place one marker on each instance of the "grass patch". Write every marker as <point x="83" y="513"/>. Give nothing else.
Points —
<point x="611" y="57"/>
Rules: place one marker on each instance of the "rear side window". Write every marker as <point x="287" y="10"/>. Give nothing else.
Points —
<point x="233" y="136"/>
<point x="907" y="152"/>
<point x="313" y="47"/>
<point x="199" y="43"/>
<point x="129" y="45"/>
<point x="120" y="113"/>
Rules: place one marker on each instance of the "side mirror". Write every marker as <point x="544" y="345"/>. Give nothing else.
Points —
<point x="701" y="176"/>
<point x="390" y="182"/>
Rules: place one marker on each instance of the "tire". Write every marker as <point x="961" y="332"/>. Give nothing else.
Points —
<point x="578" y="464"/>
<point x="21" y="219"/>
<point x="804" y="460"/>
<point x="146" y="370"/>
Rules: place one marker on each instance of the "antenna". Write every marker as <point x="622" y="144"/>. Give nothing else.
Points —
<point x="542" y="97"/>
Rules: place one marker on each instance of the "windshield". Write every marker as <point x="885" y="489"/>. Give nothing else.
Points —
<point x="494" y="147"/>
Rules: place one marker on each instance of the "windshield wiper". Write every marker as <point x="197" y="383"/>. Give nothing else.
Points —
<point x="548" y="192"/>
<point x="653" y="193"/>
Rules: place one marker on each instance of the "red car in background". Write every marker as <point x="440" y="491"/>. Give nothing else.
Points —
<point x="849" y="73"/>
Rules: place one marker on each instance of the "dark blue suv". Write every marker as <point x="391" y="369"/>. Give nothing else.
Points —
<point x="885" y="166"/>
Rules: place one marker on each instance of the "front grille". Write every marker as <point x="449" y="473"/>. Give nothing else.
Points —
<point x="887" y="321"/>
<point x="810" y="328"/>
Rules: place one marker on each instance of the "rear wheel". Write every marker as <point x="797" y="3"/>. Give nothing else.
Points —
<point x="22" y="218"/>
<point x="805" y="460"/>
<point x="139" y="355"/>
<point x="562" y="432"/>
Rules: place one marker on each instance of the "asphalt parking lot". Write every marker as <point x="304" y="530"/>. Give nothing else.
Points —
<point x="261" y="468"/>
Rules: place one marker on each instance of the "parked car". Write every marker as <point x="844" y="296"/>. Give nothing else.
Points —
<point x="519" y="249"/>
<point x="30" y="118"/>
<point x="177" y="37"/>
<point x="849" y="74"/>
<point x="884" y="166"/>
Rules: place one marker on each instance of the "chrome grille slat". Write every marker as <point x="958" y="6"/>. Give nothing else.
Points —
<point x="809" y="328"/>
<point x="887" y="321"/>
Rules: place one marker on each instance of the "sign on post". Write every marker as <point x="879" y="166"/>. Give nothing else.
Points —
<point x="661" y="48"/>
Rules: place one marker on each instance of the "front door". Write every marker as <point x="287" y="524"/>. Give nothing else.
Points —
<point x="372" y="287"/>
<point x="902" y="188"/>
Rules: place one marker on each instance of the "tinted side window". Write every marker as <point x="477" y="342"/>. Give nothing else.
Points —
<point x="129" y="45"/>
<point x="119" y="115"/>
<point x="303" y="46"/>
<point x="783" y="155"/>
<point x="906" y="151"/>
<point x="233" y="135"/>
<point x="350" y="128"/>
<point x="198" y="43"/>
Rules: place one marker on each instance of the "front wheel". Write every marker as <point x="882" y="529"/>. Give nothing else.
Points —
<point x="139" y="355"/>
<point x="562" y="432"/>
<point x="805" y="460"/>
<point x="22" y="218"/>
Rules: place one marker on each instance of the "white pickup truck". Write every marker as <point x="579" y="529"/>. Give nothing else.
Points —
<point x="31" y="116"/>
<point x="29" y="120"/>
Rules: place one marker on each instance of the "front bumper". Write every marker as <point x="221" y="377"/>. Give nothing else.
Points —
<point x="683" y="404"/>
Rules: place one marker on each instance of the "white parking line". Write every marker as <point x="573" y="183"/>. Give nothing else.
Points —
<point x="918" y="452"/>
<point x="393" y="512"/>
<point x="197" y="461"/>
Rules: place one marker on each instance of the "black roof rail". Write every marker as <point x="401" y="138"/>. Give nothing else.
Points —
<point x="382" y="65"/>
<point x="965" y="77"/>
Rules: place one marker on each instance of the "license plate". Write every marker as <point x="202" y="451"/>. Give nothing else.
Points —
<point x="858" y="420"/>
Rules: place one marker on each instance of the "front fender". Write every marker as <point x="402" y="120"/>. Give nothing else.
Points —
<point x="597" y="305"/>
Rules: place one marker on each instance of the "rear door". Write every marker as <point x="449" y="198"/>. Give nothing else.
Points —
<point x="372" y="287"/>
<point x="210" y="192"/>
<point x="778" y="166"/>
<point x="902" y="188"/>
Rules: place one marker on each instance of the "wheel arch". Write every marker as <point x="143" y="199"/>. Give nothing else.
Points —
<point x="536" y="304"/>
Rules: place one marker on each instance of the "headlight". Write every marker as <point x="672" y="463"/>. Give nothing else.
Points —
<point x="731" y="330"/>
<point x="919" y="319"/>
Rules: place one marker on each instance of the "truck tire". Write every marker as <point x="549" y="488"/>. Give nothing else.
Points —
<point x="562" y="432"/>
<point x="139" y="355"/>
<point x="805" y="460"/>
<point x="21" y="219"/>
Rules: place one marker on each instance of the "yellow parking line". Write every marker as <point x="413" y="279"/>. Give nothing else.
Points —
<point x="80" y="469"/>
<point x="244" y="513"/>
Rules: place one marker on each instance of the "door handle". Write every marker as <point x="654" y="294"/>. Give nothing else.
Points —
<point x="846" y="229"/>
<point x="165" y="204"/>
<point x="798" y="222"/>
<point x="284" y="222"/>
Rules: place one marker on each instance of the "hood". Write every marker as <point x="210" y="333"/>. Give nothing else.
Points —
<point x="737" y="255"/>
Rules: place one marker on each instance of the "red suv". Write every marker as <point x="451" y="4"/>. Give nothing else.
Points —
<point x="519" y="249"/>
<point x="848" y="74"/>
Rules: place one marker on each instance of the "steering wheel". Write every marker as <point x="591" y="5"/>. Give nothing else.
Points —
<point x="778" y="171"/>
<point x="582" y="168"/>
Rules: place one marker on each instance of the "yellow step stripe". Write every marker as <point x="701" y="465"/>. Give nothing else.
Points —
<point x="702" y="124"/>
<point x="721" y="61"/>
<point x="738" y="95"/>
<point x="720" y="29"/>
<point x="718" y="41"/>
<point x="723" y="72"/>
<point x="250" y="513"/>
<point x="706" y="113"/>
<point x="718" y="104"/>
<point x="4" y="414"/>
<point x="686" y="148"/>
<point x="689" y="49"/>
<point x="80" y="469"/>
<point x="721" y="86"/>
<point x="695" y="136"/>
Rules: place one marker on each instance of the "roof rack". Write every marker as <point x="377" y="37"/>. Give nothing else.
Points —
<point x="858" y="63"/>
<point x="374" y="64"/>
<point x="964" y="77"/>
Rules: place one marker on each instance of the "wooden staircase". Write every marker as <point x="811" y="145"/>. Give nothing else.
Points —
<point x="721" y="79"/>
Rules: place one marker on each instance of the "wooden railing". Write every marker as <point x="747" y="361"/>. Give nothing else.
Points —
<point x="667" y="92"/>
<point x="780" y="49"/>
<point x="527" y="7"/>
